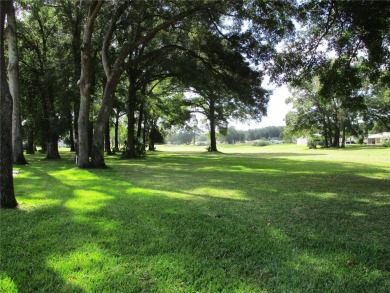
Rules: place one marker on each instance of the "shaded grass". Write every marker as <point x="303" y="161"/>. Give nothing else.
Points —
<point x="278" y="219"/>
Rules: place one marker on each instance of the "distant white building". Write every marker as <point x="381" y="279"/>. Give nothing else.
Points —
<point x="375" y="138"/>
<point x="62" y="144"/>
<point x="302" y="141"/>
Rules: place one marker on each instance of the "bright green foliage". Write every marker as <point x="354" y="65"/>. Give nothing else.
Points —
<point x="274" y="219"/>
<point x="331" y="103"/>
<point x="378" y="108"/>
<point x="386" y="141"/>
<point x="313" y="141"/>
<point x="261" y="143"/>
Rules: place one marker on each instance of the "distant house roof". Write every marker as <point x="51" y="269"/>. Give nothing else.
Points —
<point x="379" y="135"/>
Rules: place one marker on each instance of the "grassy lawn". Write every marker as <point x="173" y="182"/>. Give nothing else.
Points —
<point x="249" y="219"/>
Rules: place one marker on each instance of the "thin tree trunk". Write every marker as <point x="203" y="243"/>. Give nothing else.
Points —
<point x="71" y="133"/>
<point x="151" y="136"/>
<point x="90" y="137"/>
<point x="76" y="122"/>
<point x="76" y="43"/>
<point x="13" y="77"/>
<point x="329" y="130"/>
<point x="132" y="100"/>
<point x="144" y="131"/>
<point x="116" y="142"/>
<point x="336" y="138"/>
<point x="344" y="125"/>
<point x="140" y="119"/>
<point x="151" y="144"/>
<point x="325" y="132"/>
<point x="30" y="142"/>
<point x="7" y="193"/>
<point x="107" y="139"/>
<point x="213" y="139"/>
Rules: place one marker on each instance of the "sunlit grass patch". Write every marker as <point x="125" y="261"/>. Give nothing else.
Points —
<point x="85" y="266"/>
<point x="87" y="200"/>
<point x="7" y="285"/>
<point x="218" y="192"/>
<point x="325" y="195"/>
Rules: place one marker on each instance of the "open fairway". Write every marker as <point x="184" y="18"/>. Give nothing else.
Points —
<point x="279" y="218"/>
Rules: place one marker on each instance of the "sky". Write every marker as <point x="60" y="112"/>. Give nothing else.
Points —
<point x="276" y="111"/>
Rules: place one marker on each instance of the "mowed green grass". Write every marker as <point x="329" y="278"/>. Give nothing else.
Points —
<point x="249" y="219"/>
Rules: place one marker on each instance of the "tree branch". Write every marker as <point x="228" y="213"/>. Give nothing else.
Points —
<point x="108" y="36"/>
<point x="130" y="46"/>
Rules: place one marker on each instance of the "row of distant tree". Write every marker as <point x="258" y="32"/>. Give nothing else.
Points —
<point x="230" y="136"/>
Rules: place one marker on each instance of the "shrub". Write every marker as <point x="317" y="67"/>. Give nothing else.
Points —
<point x="385" y="141"/>
<point x="311" y="144"/>
<point x="138" y="152"/>
<point x="261" y="143"/>
<point x="201" y="143"/>
<point x="313" y="141"/>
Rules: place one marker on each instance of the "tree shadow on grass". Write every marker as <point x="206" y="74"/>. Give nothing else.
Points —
<point x="32" y="232"/>
<point x="183" y="224"/>
<point x="308" y="203"/>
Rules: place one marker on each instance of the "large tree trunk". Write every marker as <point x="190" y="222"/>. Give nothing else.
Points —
<point x="85" y="83"/>
<point x="13" y="77"/>
<point x="97" y="155"/>
<point x="7" y="193"/>
<point x="213" y="139"/>
<point x="52" y="146"/>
